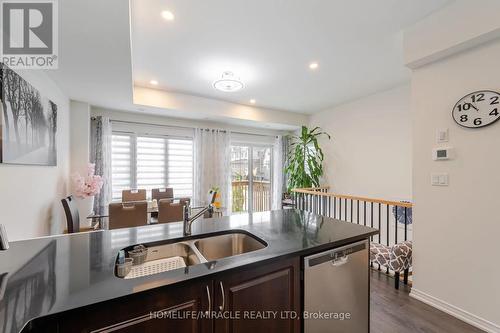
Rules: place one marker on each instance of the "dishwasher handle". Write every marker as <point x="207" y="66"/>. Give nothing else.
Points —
<point x="340" y="261"/>
<point x="338" y="256"/>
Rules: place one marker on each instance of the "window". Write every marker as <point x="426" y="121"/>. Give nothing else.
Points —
<point x="147" y="162"/>
<point x="121" y="164"/>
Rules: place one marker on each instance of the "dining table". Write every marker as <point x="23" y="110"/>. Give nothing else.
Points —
<point x="99" y="220"/>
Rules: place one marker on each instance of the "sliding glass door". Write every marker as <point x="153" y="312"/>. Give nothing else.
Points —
<point x="251" y="171"/>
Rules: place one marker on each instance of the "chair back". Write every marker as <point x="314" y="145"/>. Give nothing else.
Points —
<point x="128" y="214"/>
<point x="185" y="201"/>
<point x="133" y="195"/>
<point x="72" y="215"/>
<point x="162" y="193"/>
<point x="169" y="212"/>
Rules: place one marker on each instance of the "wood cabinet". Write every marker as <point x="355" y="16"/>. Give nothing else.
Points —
<point x="267" y="299"/>
<point x="260" y="294"/>
<point x="151" y="311"/>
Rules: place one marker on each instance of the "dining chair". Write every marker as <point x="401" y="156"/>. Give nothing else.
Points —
<point x="185" y="201"/>
<point x="128" y="214"/>
<point x="169" y="211"/>
<point x="162" y="193"/>
<point x="72" y="215"/>
<point x="133" y="195"/>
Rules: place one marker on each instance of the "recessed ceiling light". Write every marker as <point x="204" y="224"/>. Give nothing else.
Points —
<point x="313" y="65"/>
<point x="153" y="82"/>
<point x="253" y="101"/>
<point x="167" y="15"/>
<point x="228" y="83"/>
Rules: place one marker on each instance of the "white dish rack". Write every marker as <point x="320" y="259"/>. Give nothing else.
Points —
<point x="155" y="267"/>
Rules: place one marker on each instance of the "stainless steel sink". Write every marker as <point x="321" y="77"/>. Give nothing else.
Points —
<point x="163" y="257"/>
<point x="227" y="245"/>
<point x="182" y="250"/>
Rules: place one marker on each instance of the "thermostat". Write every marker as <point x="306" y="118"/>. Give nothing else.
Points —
<point x="439" y="154"/>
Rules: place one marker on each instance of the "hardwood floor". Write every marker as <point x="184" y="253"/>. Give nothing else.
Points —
<point x="394" y="311"/>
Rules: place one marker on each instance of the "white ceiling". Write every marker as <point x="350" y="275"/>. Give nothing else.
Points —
<point x="269" y="44"/>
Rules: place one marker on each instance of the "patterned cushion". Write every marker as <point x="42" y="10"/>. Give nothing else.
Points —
<point x="397" y="257"/>
<point x="401" y="254"/>
<point x="379" y="253"/>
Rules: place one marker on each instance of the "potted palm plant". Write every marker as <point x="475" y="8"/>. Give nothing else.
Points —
<point x="305" y="158"/>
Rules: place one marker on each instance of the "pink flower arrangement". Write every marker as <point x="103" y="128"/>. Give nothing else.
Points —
<point x="87" y="186"/>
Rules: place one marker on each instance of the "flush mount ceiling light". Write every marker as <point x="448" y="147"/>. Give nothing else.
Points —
<point x="228" y="82"/>
<point x="153" y="82"/>
<point x="167" y="15"/>
<point x="253" y="101"/>
<point x="313" y="65"/>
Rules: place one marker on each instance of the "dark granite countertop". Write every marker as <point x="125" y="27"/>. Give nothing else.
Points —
<point x="47" y="275"/>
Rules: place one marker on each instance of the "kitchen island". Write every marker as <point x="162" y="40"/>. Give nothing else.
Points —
<point x="67" y="283"/>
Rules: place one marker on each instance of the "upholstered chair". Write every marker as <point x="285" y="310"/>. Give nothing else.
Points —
<point x="128" y="214"/>
<point x="133" y="195"/>
<point x="169" y="211"/>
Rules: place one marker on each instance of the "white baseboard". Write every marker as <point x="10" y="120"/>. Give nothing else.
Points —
<point x="456" y="312"/>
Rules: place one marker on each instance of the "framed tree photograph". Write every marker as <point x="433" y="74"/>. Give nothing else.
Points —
<point x="28" y="122"/>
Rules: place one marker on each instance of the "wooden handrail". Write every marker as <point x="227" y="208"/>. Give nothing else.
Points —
<point x="316" y="191"/>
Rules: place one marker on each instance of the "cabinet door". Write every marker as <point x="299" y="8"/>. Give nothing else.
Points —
<point x="265" y="298"/>
<point x="168" y="309"/>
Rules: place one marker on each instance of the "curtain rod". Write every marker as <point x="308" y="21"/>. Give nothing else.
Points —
<point x="183" y="127"/>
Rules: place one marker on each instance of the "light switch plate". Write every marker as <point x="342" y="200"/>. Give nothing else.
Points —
<point x="442" y="135"/>
<point x="439" y="179"/>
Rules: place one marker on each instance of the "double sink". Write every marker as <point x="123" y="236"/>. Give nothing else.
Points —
<point x="204" y="249"/>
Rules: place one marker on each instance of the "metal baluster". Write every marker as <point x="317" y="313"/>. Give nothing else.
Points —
<point x="316" y="197"/>
<point x="406" y="271"/>
<point x="364" y="213"/>
<point x="379" y="227"/>
<point x="357" y="211"/>
<point x="387" y="236"/>
<point x="396" y="225"/>
<point x="371" y="219"/>
<point x="345" y="209"/>
<point x="351" y="210"/>
<point x="340" y="208"/>
<point x="406" y="224"/>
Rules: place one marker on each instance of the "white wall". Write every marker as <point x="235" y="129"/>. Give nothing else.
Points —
<point x="30" y="195"/>
<point x="453" y="53"/>
<point x="370" y="151"/>
<point x="456" y="228"/>
<point x="80" y="150"/>
<point x="461" y="25"/>
<point x="169" y="121"/>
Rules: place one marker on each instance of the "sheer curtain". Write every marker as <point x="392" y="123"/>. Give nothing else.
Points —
<point x="285" y="143"/>
<point x="212" y="158"/>
<point x="100" y="155"/>
<point x="278" y="162"/>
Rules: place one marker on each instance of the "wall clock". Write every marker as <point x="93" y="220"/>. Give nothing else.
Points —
<point x="477" y="109"/>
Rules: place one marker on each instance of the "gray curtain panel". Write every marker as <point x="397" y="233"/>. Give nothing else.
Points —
<point x="100" y="155"/>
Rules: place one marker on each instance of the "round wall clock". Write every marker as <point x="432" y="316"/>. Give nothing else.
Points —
<point x="477" y="109"/>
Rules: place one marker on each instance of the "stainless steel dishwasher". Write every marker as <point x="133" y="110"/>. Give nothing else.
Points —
<point x="336" y="290"/>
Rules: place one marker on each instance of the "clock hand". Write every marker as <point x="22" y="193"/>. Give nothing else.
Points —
<point x="474" y="106"/>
